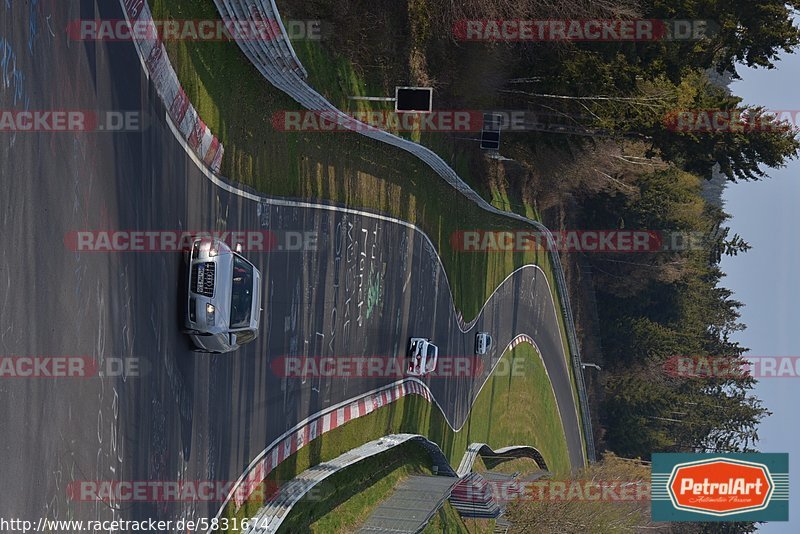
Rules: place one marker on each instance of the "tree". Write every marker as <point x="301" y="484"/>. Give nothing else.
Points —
<point x="742" y="140"/>
<point x="750" y="32"/>
<point x="693" y="123"/>
<point x="722" y="245"/>
<point x="739" y="154"/>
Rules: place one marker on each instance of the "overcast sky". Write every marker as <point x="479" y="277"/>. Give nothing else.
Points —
<point x="767" y="278"/>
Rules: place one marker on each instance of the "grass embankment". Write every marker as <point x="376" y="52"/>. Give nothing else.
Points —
<point x="340" y="503"/>
<point x="510" y="410"/>
<point x="447" y="521"/>
<point x="508" y="466"/>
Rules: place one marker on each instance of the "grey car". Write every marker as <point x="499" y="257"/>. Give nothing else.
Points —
<point x="224" y="297"/>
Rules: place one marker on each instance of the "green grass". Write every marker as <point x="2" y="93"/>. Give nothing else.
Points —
<point x="509" y="466"/>
<point x="337" y="80"/>
<point x="510" y="410"/>
<point x="447" y="521"/>
<point x="504" y="404"/>
<point x="346" y="499"/>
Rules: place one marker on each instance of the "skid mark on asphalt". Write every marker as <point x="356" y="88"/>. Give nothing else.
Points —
<point x="9" y="329"/>
<point x="290" y="331"/>
<point x="13" y="79"/>
<point x="108" y="459"/>
<point x="110" y="453"/>
<point x="33" y="24"/>
<point x="126" y="320"/>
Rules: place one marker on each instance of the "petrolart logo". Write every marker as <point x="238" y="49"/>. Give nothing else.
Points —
<point x="720" y="487"/>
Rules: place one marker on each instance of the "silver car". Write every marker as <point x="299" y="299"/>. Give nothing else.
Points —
<point x="422" y="356"/>
<point x="224" y="297"/>
<point x="483" y="342"/>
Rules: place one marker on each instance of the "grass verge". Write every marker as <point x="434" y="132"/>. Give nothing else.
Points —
<point x="447" y="521"/>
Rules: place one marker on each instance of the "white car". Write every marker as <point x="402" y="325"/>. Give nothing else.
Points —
<point x="483" y="342"/>
<point x="224" y="301"/>
<point x="422" y="356"/>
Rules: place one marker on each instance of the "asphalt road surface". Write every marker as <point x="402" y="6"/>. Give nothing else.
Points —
<point x="369" y="285"/>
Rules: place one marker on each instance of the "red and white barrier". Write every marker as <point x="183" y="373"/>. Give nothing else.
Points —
<point x="181" y="111"/>
<point x="320" y="425"/>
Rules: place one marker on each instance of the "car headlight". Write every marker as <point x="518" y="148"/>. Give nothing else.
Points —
<point x="208" y="245"/>
<point x="210" y="314"/>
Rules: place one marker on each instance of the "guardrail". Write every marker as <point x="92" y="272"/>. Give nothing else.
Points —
<point x="275" y="511"/>
<point x="270" y="517"/>
<point x="277" y="61"/>
<point x="485" y="451"/>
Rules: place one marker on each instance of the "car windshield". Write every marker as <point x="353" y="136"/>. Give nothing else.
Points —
<point x="241" y="293"/>
<point x="431" y="351"/>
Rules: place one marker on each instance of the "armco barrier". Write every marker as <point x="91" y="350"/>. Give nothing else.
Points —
<point x="482" y="449"/>
<point x="270" y="516"/>
<point x="165" y="80"/>
<point x="276" y="60"/>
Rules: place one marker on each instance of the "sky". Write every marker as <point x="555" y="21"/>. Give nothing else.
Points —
<point x="767" y="278"/>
